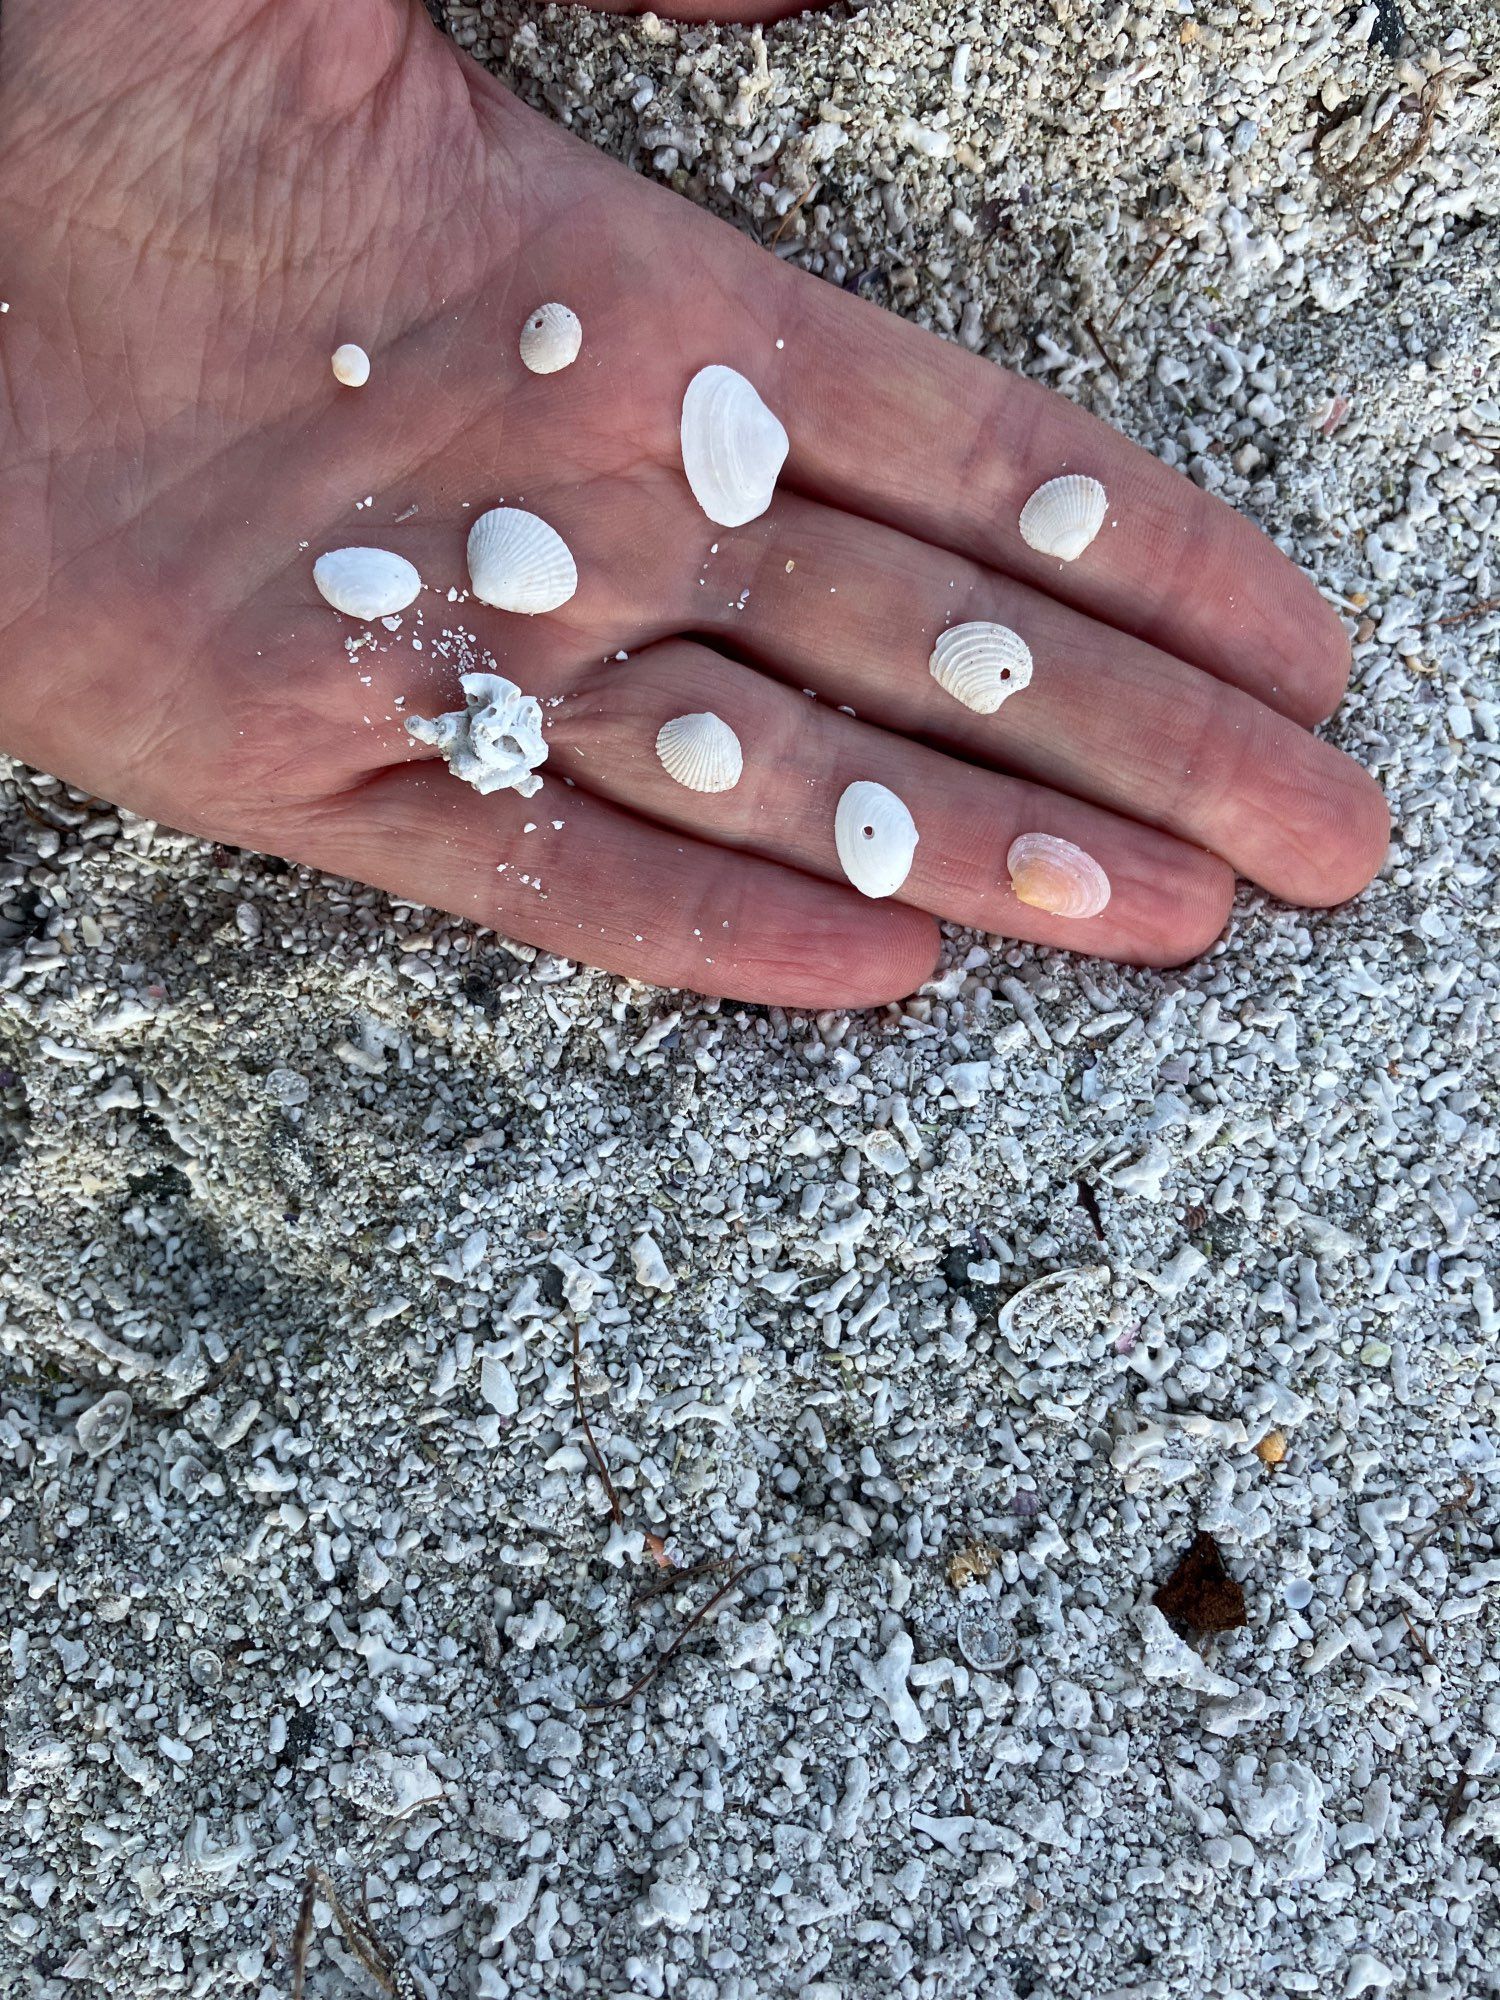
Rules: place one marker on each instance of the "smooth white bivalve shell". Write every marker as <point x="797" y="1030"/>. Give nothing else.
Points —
<point x="981" y="665"/>
<point x="351" y="365"/>
<point x="550" y="339"/>
<point x="1052" y="874"/>
<point x="732" y="446"/>
<point x="701" y="752"/>
<point x="496" y="743"/>
<point x="876" y="838"/>
<point x="518" y="563"/>
<point x="1063" y="517"/>
<point x="366" y="583"/>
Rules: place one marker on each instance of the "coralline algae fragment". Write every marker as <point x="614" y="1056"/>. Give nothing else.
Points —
<point x="495" y="743"/>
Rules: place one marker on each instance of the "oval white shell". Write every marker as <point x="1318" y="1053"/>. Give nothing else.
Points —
<point x="550" y="339"/>
<point x="351" y="365"/>
<point x="701" y="752"/>
<point x="1075" y="884"/>
<point x="518" y="563"/>
<point x="1063" y="517"/>
<point x="876" y="838"/>
<point x="101" y="1426"/>
<point x="732" y="446"/>
<point x="366" y="583"/>
<point x="981" y="664"/>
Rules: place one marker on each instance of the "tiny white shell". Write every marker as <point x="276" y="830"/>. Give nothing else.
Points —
<point x="1063" y="517"/>
<point x="351" y="365"/>
<point x="518" y="563"/>
<point x="981" y="664"/>
<point x="366" y="583"/>
<point x="876" y="838"/>
<point x="732" y="446"/>
<point x="550" y="339"/>
<point x="102" y="1425"/>
<point x="1052" y="874"/>
<point x="701" y="752"/>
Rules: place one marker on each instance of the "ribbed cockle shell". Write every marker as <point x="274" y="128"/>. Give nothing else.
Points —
<point x="518" y="563"/>
<point x="366" y="583"/>
<point x="981" y="665"/>
<point x="1063" y="517"/>
<point x="1051" y="874"/>
<point x="550" y="339"/>
<point x="876" y="838"/>
<point x="701" y="752"/>
<point x="733" y="447"/>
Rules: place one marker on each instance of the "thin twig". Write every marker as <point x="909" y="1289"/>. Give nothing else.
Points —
<point x="1093" y="333"/>
<point x="1416" y="1638"/>
<point x="665" y="1583"/>
<point x="792" y="212"/>
<point x="598" y="1457"/>
<point x="620" y="1700"/>
<point x="1474" y="611"/>
<point x="302" y="1935"/>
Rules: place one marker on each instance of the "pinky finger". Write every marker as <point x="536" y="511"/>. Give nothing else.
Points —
<point x="592" y="882"/>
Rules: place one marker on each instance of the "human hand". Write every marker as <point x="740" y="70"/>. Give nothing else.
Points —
<point x="194" y="218"/>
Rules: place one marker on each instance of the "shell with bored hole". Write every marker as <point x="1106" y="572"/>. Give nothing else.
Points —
<point x="733" y="447"/>
<point x="517" y="562"/>
<point x="550" y="339"/>
<point x="876" y="838"/>
<point x="1063" y="517"/>
<point x="701" y="752"/>
<point x="1051" y="874"/>
<point x="366" y="583"/>
<point x="981" y="664"/>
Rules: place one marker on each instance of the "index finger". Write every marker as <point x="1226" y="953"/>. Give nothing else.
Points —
<point x="887" y="422"/>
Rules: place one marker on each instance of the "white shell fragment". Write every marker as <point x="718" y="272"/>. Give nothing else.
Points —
<point x="550" y="339"/>
<point x="366" y="583"/>
<point x="1052" y="874"/>
<point x="1063" y="517"/>
<point x="351" y="365"/>
<point x="733" y="447"/>
<point x="102" y="1425"/>
<point x="518" y="563"/>
<point x="876" y="838"/>
<point x="701" y="752"/>
<point x="494" y="744"/>
<point x="981" y="664"/>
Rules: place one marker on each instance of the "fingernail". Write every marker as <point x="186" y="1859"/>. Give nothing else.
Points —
<point x="1053" y="875"/>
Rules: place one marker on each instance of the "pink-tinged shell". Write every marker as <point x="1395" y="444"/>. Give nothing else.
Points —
<point x="1051" y="874"/>
<point x="1063" y="517"/>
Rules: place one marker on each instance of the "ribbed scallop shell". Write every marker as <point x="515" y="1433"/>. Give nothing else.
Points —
<point x="366" y="583"/>
<point x="351" y="365"/>
<point x="1063" y="517"/>
<point x="518" y="563"/>
<point x="1052" y="874"/>
<point x="732" y="446"/>
<point x="551" y="338"/>
<point x="102" y="1425"/>
<point x="701" y="752"/>
<point x="876" y="838"/>
<point x="981" y="665"/>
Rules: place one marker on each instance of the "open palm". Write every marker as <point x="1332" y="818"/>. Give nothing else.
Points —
<point x="191" y="221"/>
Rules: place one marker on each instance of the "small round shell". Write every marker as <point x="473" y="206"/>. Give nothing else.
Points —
<point x="1063" y="517"/>
<point x="366" y="583"/>
<point x="876" y="838"/>
<point x="1053" y="875"/>
<point x="518" y="563"/>
<point x="351" y="365"/>
<point x="981" y="665"/>
<point x="550" y="339"/>
<point x="733" y="447"/>
<point x="701" y="752"/>
<point x="102" y="1425"/>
